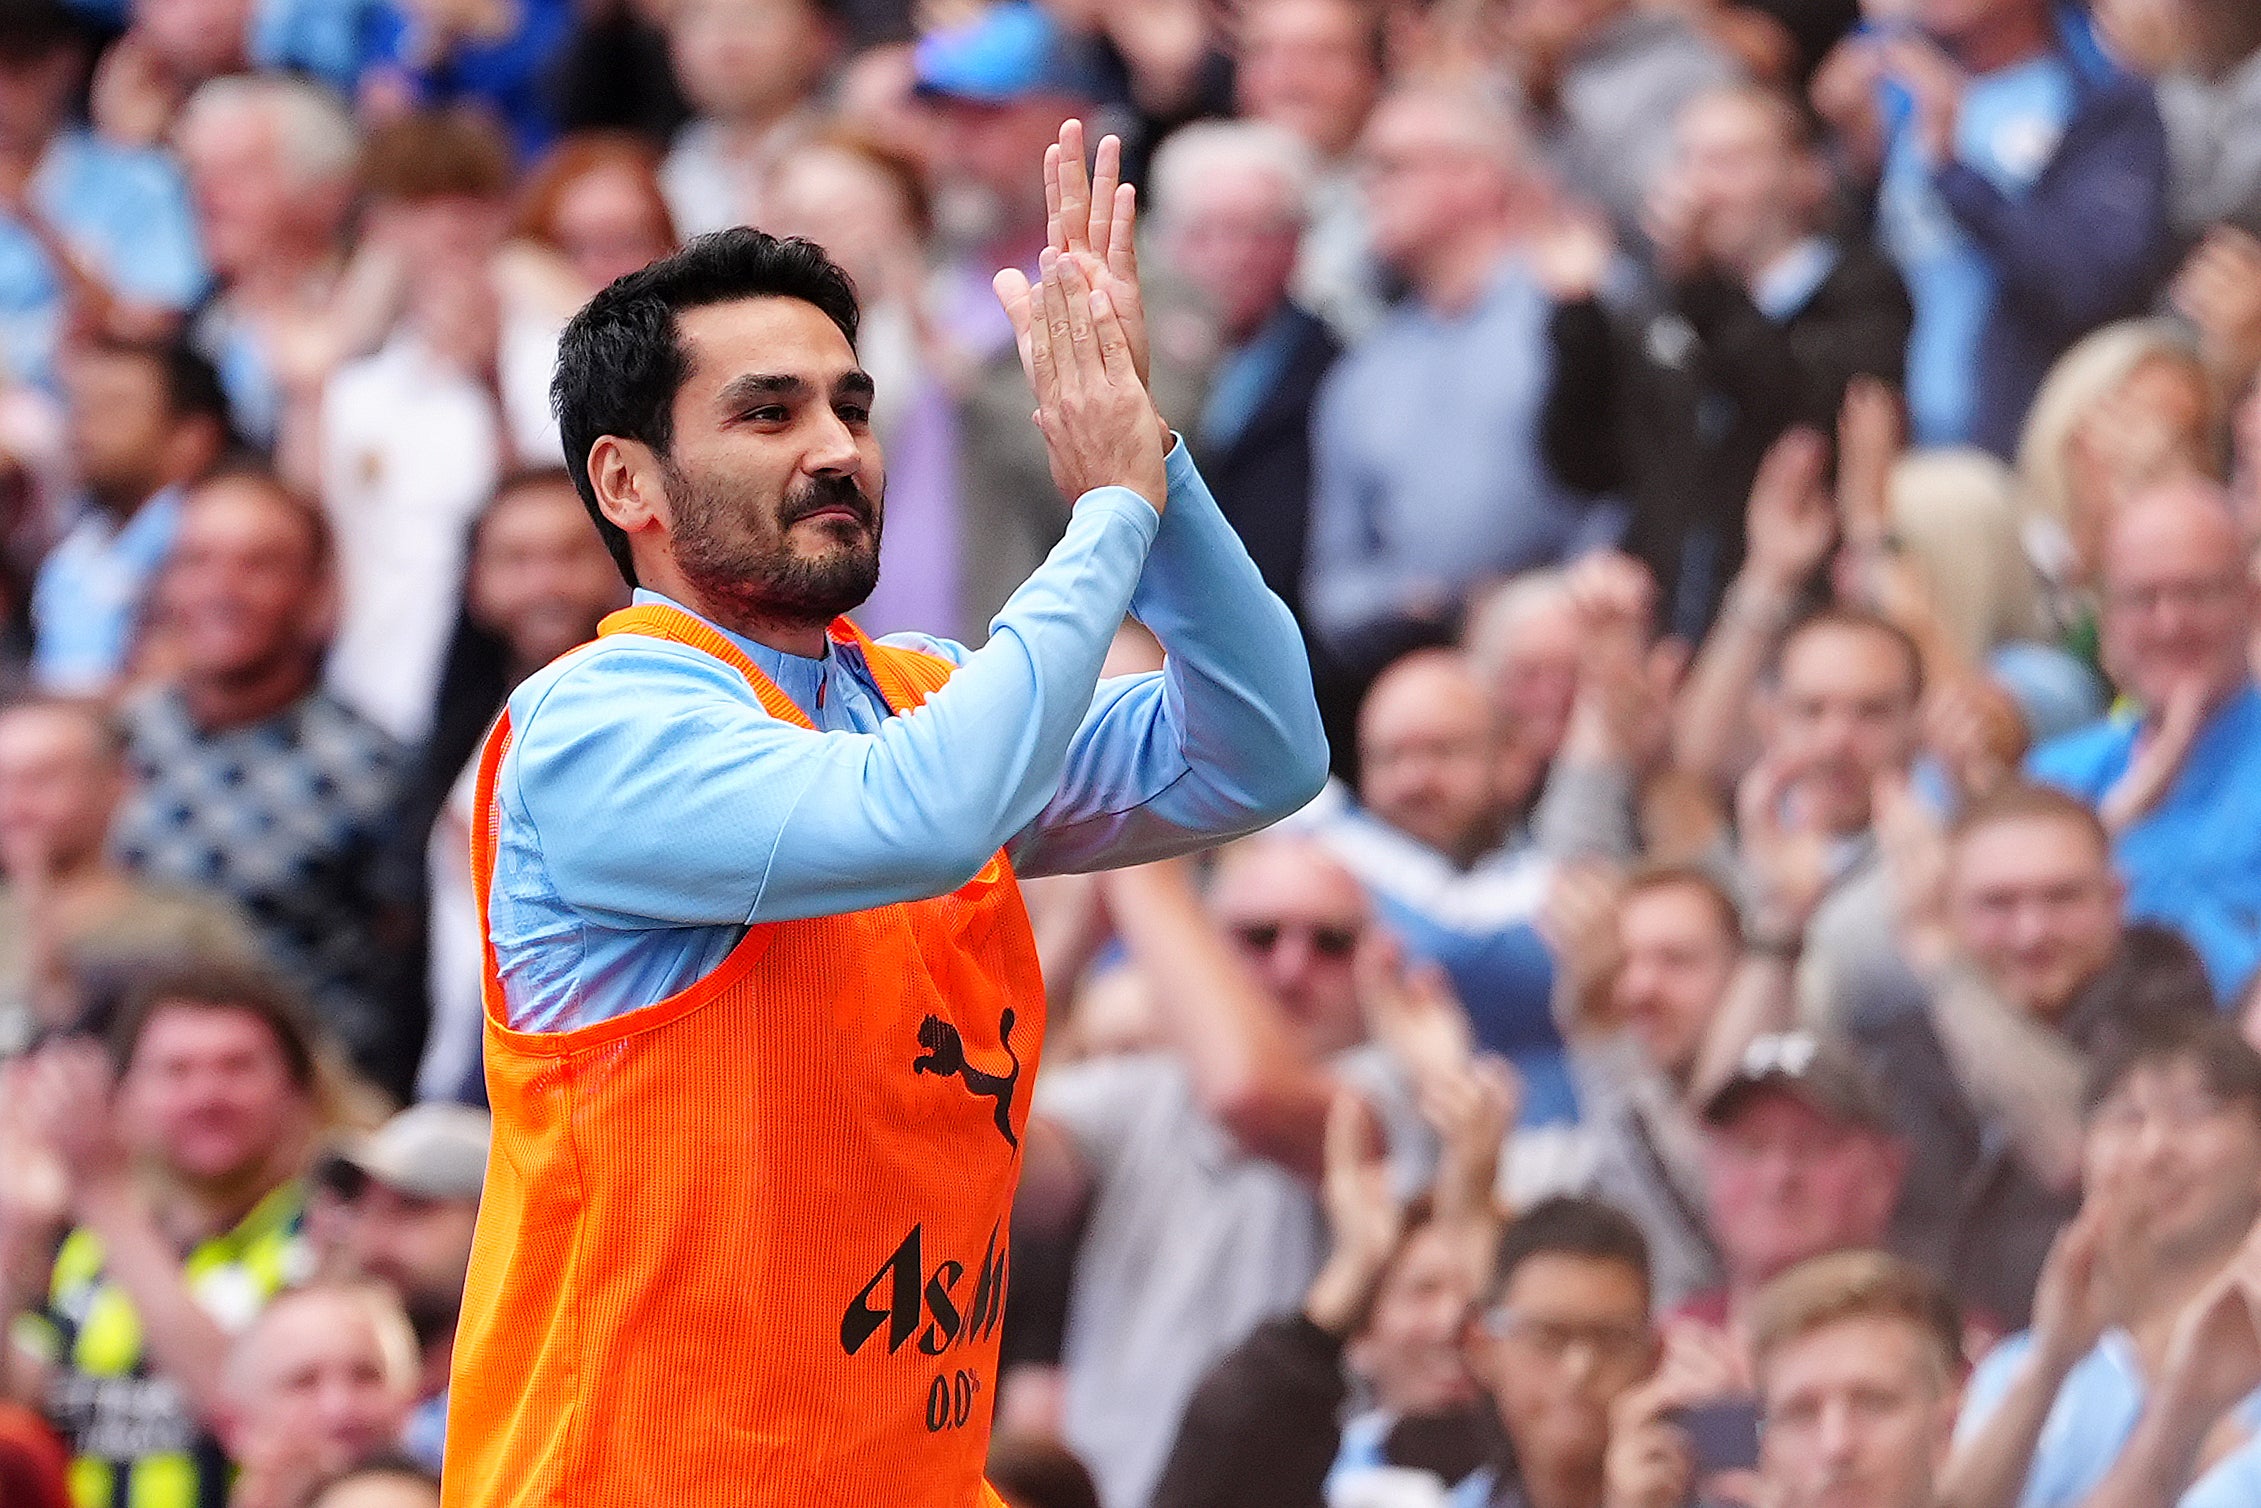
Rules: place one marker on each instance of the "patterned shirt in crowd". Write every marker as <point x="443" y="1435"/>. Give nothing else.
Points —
<point x="134" y="1441"/>
<point x="282" y="816"/>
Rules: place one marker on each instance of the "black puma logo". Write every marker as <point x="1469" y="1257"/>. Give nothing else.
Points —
<point x="945" y="1057"/>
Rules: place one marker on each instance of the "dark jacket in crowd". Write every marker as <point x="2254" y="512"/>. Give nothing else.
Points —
<point x="2086" y="244"/>
<point x="1969" y="1209"/>
<point x="1671" y="401"/>
<point x="1264" y="1427"/>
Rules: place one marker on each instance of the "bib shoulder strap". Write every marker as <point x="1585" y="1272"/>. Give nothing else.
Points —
<point x="657" y="621"/>
<point x="906" y="677"/>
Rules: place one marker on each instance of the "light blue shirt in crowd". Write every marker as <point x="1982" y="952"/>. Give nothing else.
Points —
<point x="2089" y="1424"/>
<point x="86" y="601"/>
<point x="2008" y="130"/>
<point x="652" y="810"/>
<point x="2194" y="860"/>
<point x="1427" y="474"/>
<point x="126" y="211"/>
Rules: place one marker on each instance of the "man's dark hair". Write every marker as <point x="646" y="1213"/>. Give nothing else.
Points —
<point x="2226" y="1062"/>
<point x="1039" y="1472"/>
<point x="621" y="360"/>
<point x="192" y="384"/>
<point x="219" y="984"/>
<point x="1568" y="1226"/>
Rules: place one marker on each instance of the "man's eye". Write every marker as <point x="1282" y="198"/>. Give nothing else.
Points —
<point x="768" y="413"/>
<point x="854" y="413"/>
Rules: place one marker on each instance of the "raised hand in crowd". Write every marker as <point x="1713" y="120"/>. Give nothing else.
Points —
<point x="2159" y="757"/>
<point x="1571" y="255"/>
<point x="1651" y="1461"/>
<point x="1626" y="684"/>
<point x="1914" y="848"/>
<point x="1579" y="922"/>
<point x="2219" y="291"/>
<point x="1785" y="848"/>
<point x="1792" y="527"/>
<point x="1365" y="1218"/>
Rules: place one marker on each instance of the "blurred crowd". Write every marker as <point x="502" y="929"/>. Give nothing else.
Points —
<point x="1765" y="1014"/>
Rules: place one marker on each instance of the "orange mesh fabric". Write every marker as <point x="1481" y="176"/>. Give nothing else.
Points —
<point x="747" y="1245"/>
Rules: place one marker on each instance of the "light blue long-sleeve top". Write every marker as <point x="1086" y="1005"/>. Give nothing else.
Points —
<point x="651" y="809"/>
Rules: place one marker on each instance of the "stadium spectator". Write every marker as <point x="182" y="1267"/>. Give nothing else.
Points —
<point x="2205" y="56"/>
<point x="253" y="782"/>
<point x="320" y="1380"/>
<point x="1457" y="374"/>
<point x="2172" y="1186"/>
<point x="1430" y="841"/>
<point x="1233" y="200"/>
<point x="1859" y="1364"/>
<point x="2014" y="924"/>
<point x="590" y="212"/>
<point x="440" y="54"/>
<point x="2023" y="195"/>
<point x="413" y="436"/>
<point x="410" y="1198"/>
<point x="2172" y="781"/>
<point x="1523" y="637"/>
<point x="170" y="49"/>
<point x="1800" y="1159"/>
<point x="750" y="70"/>
<point x="1316" y="67"/>
<point x="146" y="421"/>
<point x="1210" y="1148"/>
<point x="101" y="233"/>
<point x="1366" y="1385"/>
<point x="382" y="1482"/>
<point x="181" y="1181"/>
<point x="1562" y="1334"/>
<point x="1670" y="399"/>
<point x="271" y="168"/>
<point x="1605" y="80"/>
<point x="74" y="926"/>
<point x="1643" y="968"/>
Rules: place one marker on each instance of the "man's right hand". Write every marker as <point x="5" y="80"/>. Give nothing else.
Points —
<point x="1098" y="422"/>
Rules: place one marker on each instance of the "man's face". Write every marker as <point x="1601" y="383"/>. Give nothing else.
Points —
<point x="242" y="588"/>
<point x="420" y="1248"/>
<point x="1235" y="241"/>
<point x="59" y="783"/>
<point x="1952" y="21"/>
<point x="1297" y="918"/>
<point x="1677" y="956"/>
<point x="1857" y="1415"/>
<point x="608" y="226"/>
<point x="2181" y="1165"/>
<point x="246" y="199"/>
<point x="540" y="575"/>
<point x="35" y="94"/>
<point x="984" y="149"/>
<point x="774" y="479"/>
<point x="2034" y="902"/>
<point x="317" y="1386"/>
<point x="2178" y="604"/>
<point x="1736" y="161"/>
<point x="119" y="423"/>
<point x="748" y="59"/>
<point x="1410" y="1351"/>
<point x="209" y="1093"/>
<point x="1569" y="1335"/>
<point x="1788" y="1183"/>
<point x="1428" y="758"/>
<point x="1427" y="175"/>
<point x="1534" y="673"/>
<point x="1309" y="65"/>
<point x="1844" y="714"/>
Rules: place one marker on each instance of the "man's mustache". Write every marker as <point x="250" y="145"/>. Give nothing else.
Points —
<point x="829" y="492"/>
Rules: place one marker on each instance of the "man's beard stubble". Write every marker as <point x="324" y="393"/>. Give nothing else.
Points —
<point x="759" y="574"/>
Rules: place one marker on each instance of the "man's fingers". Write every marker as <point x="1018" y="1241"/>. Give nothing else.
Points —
<point x="1016" y="297"/>
<point x="1075" y="287"/>
<point x="1114" y="341"/>
<point x="1122" y="242"/>
<point x="1044" y="365"/>
<point x="1106" y="175"/>
<point x="1075" y="190"/>
<point x="1055" y="234"/>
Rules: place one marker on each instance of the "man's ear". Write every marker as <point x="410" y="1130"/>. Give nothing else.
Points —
<point x="625" y="475"/>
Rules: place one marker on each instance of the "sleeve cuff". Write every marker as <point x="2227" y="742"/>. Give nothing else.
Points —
<point x="1110" y="502"/>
